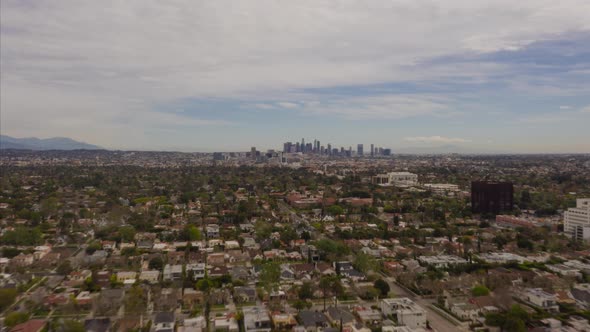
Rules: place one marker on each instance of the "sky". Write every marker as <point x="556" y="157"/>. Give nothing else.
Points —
<point x="487" y="76"/>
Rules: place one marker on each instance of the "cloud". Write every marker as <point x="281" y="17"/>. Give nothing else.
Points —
<point x="383" y="106"/>
<point x="564" y="107"/>
<point x="435" y="139"/>
<point x="108" y="67"/>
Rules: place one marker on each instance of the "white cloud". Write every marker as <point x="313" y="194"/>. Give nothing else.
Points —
<point x="386" y="106"/>
<point x="564" y="107"/>
<point x="435" y="139"/>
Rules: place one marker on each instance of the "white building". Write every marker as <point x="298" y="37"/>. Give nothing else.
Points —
<point x="401" y="179"/>
<point x="442" y="261"/>
<point x="541" y="299"/>
<point x="576" y="221"/>
<point x="172" y="272"/>
<point x="442" y="189"/>
<point x="407" y="312"/>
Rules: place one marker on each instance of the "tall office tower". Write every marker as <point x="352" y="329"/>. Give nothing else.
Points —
<point x="491" y="197"/>
<point x="318" y="147"/>
<point x="253" y="152"/>
<point x="303" y="145"/>
<point x="329" y="149"/>
<point x="349" y="151"/>
<point x="387" y="152"/>
<point x="359" y="150"/>
<point x="309" y="147"/>
<point x="342" y="150"/>
<point x="322" y="150"/>
<point x="297" y="147"/>
<point x="576" y="221"/>
<point x="372" y="150"/>
<point x="287" y="147"/>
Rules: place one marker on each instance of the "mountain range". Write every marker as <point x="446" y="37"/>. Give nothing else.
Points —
<point x="34" y="143"/>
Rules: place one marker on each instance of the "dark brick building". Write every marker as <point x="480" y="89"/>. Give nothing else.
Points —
<point x="491" y="197"/>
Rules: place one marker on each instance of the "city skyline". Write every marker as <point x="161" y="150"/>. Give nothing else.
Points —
<point x="480" y="77"/>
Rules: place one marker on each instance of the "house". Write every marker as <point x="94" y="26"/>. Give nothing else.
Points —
<point x="337" y="315"/>
<point x="256" y="319"/>
<point x="283" y="321"/>
<point x="368" y="316"/>
<point x="216" y="259"/>
<point x="313" y="321"/>
<point x="581" y="292"/>
<point x="244" y="294"/>
<point x="212" y="231"/>
<point x="465" y="310"/>
<point x="407" y="312"/>
<point x="191" y="297"/>
<point x="150" y="276"/>
<point x="172" y="272"/>
<point x="226" y="323"/>
<point x="126" y="277"/>
<point x="540" y="298"/>
<point x="197" y="324"/>
<point x="197" y="271"/>
<point x="164" y="322"/>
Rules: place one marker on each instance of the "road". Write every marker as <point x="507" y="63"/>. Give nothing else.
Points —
<point x="436" y="320"/>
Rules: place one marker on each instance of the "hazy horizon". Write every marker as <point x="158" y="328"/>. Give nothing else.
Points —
<point x="493" y="77"/>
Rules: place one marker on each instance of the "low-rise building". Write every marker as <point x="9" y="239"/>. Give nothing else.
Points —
<point x="406" y="311"/>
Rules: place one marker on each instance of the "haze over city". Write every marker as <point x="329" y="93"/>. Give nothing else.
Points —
<point x="206" y="76"/>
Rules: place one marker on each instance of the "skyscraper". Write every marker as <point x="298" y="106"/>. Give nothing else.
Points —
<point x="372" y="150"/>
<point x="491" y="197"/>
<point x="359" y="149"/>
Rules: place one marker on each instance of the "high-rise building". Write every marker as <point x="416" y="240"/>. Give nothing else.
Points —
<point x="491" y="197"/>
<point x="576" y="221"/>
<point x="359" y="149"/>
<point x="253" y="152"/>
<point x="387" y="152"/>
<point x="372" y="150"/>
<point x="329" y="149"/>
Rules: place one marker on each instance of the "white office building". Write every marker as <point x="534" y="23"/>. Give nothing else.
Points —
<point x="576" y="221"/>
<point x="400" y="179"/>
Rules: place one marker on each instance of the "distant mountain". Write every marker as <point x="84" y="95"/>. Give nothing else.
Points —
<point x="442" y="149"/>
<point x="33" y="143"/>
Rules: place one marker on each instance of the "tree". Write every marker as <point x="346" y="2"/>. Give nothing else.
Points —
<point x="7" y="297"/>
<point x="15" y="318"/>
<point x="72" y="326"/>
<point x="127" y="233"/>
<point x="194" y="234"/>
<point x="306" y="291"/>
<point x="270" y="276"/>
<point x="480" y="290"/>
<point x="156" y="263"/>
<point x="135" y="300"/>
<point x="335" y="210"/>
<point x="365" y="263"/>
<point x="382" y="286"/>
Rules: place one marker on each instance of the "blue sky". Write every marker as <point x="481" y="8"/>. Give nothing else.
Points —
<point x="208" y="76"/>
